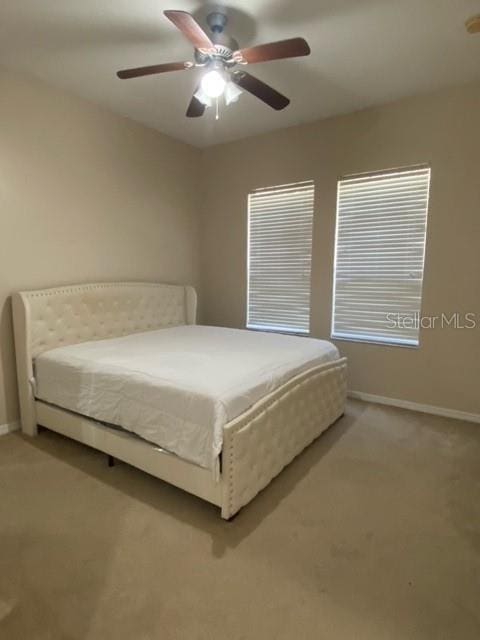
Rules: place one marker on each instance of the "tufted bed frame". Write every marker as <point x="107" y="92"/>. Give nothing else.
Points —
<point x="257" y="445"/>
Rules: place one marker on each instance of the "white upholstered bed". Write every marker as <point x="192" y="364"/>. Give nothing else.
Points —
<point x="269" y="396"/>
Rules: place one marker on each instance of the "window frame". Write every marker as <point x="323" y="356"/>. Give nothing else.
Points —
<point x="280" y="330"/>
<point x="379" y="340"/>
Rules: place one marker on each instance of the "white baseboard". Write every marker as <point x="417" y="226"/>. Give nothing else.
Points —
<point x="9" y="427"/>
<point x="415" y="406"/>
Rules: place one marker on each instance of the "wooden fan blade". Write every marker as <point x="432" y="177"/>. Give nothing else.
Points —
<point x="195" y="108"/>
<point x="292" y="48"/>
<point x="191" y="30"/>
<point x="156" y="68"/>
<point x="260" y="90"/>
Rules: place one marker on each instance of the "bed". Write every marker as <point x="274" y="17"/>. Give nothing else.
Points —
<point x="123" y="368"/>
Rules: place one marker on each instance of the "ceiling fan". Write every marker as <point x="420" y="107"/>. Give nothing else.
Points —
<point x="219" y="54"/>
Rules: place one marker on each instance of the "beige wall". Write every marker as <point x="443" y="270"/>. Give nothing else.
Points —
<point x="441" y="129"/>
<point x="86" y="196"/>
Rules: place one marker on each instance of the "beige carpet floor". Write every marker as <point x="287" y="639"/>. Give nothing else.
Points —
<point x="373" y="533"/>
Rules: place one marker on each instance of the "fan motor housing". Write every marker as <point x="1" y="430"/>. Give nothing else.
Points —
<point x="225" y="45"/>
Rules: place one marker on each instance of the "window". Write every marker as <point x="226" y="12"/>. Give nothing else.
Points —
<point x="280" y="221"/>
<point x="379" y="255"/>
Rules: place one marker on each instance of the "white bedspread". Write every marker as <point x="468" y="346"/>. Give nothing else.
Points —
<point x="176" y="387"/>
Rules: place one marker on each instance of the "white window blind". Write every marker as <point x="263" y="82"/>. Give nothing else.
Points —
<point x="379" y="256"/>
<point x="280" y="221"/>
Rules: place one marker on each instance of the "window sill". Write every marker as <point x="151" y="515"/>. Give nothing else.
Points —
<point x="286" y="332"/>
<point x="376" y="341"/>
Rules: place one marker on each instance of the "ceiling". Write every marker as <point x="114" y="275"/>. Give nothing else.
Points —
<point x="364" y="52"/>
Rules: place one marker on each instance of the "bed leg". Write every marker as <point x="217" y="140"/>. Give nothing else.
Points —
<point x="111" y="461"/>
<point x="232" y="518"/>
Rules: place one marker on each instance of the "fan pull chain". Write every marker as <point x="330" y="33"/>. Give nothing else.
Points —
<point x="216" y="109"/>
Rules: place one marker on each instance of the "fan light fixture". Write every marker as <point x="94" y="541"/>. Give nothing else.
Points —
<point x="202" y="97"/>
<point x="213" y="83"/>
<point x="232" y="93"/>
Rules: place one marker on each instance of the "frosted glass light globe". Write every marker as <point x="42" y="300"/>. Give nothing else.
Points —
<point x="213" y="83"/>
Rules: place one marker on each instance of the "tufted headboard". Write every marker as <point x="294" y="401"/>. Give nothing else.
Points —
<point x="50" y="318"/>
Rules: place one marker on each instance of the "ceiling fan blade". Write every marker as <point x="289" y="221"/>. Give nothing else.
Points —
<point x="156" y="68"/>
<point x="195" y="108"/>
<point x="260" y="90"/>
<point x="191" y="30"/>
<point x="292" y="48"/>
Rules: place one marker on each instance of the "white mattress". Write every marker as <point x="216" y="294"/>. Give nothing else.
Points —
<point x="176" y="387"/>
